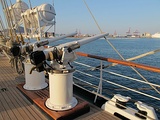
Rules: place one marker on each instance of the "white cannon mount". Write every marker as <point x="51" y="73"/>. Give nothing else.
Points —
<point x="60" y="72"/>
<point x="36" y="80"/>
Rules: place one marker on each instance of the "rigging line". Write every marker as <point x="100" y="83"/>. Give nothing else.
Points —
<point x="101" y="29"/>
<point x="143" y="55"/>
<point x="30" y="4"/>
<point x="2" y="25"/>
<point x="5" y="21"/>
<point x="10" y="25"/>
<point x="16" y="24"/>
<point x="53" y="3"/>
<point x="136" y="57"/>
<point x="9" y="14"/>
<point x="2" y="32"/>
<point x="14" y="15"/>
<point x="13" y="24"/>
<point x="116" y="49"/>
<point x="93" y="16"/>
<point x="32" y="16"/>
<point x="6" y="12"/>
<point x="3" y="7"/>
<point x="21" y="36"/>
<point x="3" y="36"/>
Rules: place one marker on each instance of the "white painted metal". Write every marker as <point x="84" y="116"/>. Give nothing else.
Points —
<point x="46" y="13"/>
<point x="110" y="106"/>
<point x="61" y="92"/>
<point x="80" y="42"/>
<point x="34" y="44"/>
<point x="34" y="81"/>
<point x="18" y="8"/>
<point x="99" y="90"/>
<point x="150" y="110"/>
<point x="121" y="98"/>
<point x="84" y="40"/>
<point x="61" y="81"/>
<point x="121" y="86"/>
<point x="37" y="19"/>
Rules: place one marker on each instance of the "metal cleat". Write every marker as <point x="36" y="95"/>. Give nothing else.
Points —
<point x="121" y="101"/>
<point x="145" y="111"/>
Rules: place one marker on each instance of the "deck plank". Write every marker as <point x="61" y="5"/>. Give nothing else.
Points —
<point x="11" y="107"/>
<point x="97" y="114"/>
<point x="14" y="105"/>
<point x="3" y="109"/>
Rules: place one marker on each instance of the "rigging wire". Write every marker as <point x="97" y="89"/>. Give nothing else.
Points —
<point x="110" y="91"/>
<point x="116" y="49"/>
<point x="9" y="15"/>
<point x="6" y="11"/>
<point x="135" y="58"/>
<point x="34" y="20"/>
<point x="2" y="33"/>
<point x="30" y="4"/>
<point x="12" y="10"/>
<point x="5" y="21"/>
<point x="1" y="24"/>
<point x="21" y="36"/>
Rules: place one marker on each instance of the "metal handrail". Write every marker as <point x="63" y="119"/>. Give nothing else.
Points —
<point x="113" y="73"/>
<point x="113" y="83"/>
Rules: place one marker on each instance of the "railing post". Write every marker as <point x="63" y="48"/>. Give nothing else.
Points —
<point x="101" y="71"/>
<point x="99" y="90"/>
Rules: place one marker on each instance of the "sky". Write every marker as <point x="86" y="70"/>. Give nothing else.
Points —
<point x="111" y="15"/>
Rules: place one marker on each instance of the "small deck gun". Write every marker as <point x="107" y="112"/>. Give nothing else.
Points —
<point x="60" y="55"/>
<point x="30" y="47"/>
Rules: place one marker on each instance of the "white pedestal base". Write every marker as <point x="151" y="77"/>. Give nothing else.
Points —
<point x="53" y="106"/>
<point x="34" y="81"/>
<point x="61" y="92"/>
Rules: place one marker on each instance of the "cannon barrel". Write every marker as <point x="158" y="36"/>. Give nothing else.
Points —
<point x="85" y="40"/>
<point x="49" y="41"/>
<point x="16" y="50"/>
<point x="57" y="52"/>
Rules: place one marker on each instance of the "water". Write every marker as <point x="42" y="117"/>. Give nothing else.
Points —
<point x="127" y="48"/>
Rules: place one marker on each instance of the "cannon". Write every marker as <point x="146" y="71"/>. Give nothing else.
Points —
<point x="60" y="71"/>
<point x="36" y="80"/>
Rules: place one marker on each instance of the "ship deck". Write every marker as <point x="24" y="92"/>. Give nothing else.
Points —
<point x="15" y="106"/>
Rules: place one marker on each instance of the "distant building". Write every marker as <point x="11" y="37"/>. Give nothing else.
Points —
<point x="156" y="35"/>
<point x="146" y="35"/>
<point x="49" y="34"/>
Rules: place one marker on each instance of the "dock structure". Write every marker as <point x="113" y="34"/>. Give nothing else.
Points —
<point x="15" y="106"/>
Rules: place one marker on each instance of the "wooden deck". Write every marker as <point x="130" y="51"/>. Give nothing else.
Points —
<point x="15" y="106"/>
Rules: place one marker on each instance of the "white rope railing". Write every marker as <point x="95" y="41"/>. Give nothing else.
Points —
<point x="134" y="79"/>
<point x="90" y="84"/>
<point x="116" y="74"/>
<point x="113" y="83"/>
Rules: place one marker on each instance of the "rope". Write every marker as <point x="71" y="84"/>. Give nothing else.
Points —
<point x="117" y="50"/>
<point x="17" y="39"/>
<point x="34" y="21"/>
<point x="30" y="4"/>
<point x="6" y="12"/>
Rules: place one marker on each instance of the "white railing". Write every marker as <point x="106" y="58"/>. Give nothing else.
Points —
<point x="100" y="79"/>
